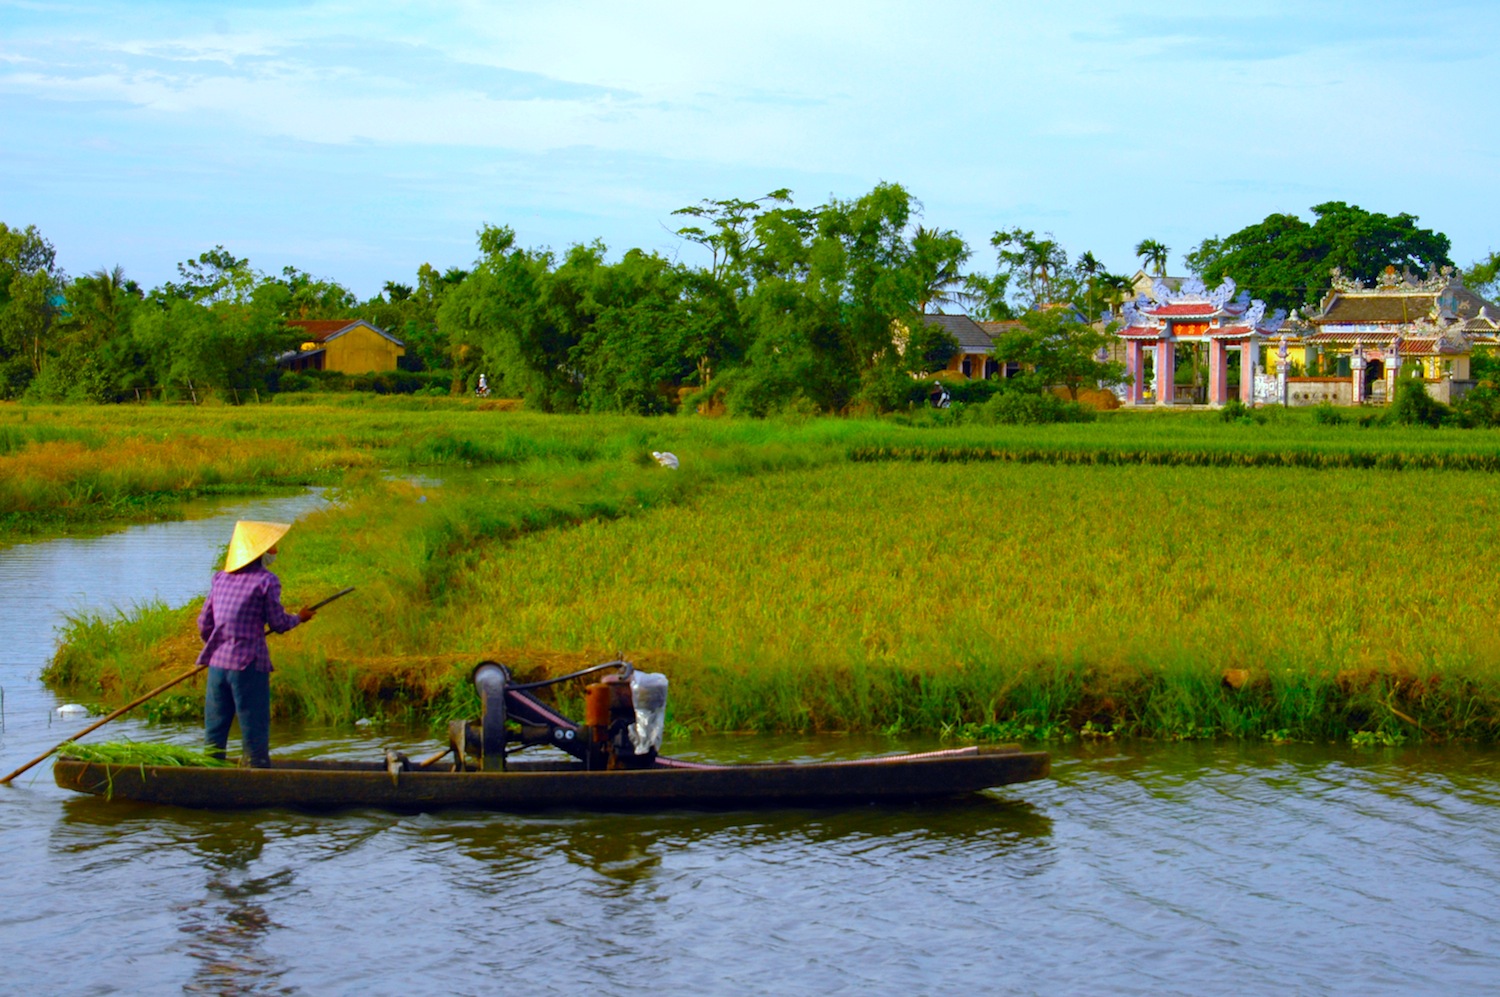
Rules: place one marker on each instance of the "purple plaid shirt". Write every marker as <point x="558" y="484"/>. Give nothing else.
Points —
<point x="239" y="607"/>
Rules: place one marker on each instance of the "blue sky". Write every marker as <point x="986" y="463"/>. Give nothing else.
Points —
<point x="358" y="140"/>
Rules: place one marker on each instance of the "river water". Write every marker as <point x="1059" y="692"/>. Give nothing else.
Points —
<point x="1139" y="868"/>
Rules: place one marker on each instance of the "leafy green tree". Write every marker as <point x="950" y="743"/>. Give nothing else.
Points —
<point x="223" y="342"/>
<point x="410" y="313"/>
<point x="928" y="348"/>
<point x="1483" y="276"/>
<point x="1037" y="266"/>
<point x="502" y="309"/>
<point x="989" y="296"/>
<point x="1413" y="406"/>
<point x="1286" y="262"/>
<point x="310" y="297"/>
<point x="1055" y="349"/>
<point x="212" y="276"/>
<point x="1115" y="289"/>
<point x="732" y="236"/>
<point x="1092" y="271"/>
<point x="635" y="341"/>
<point x="31" y="287"/>
<point x="95" y="357"/>
<point x="805" y="305"/>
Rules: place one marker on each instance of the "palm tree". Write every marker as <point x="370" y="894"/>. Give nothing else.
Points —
<point x="1088" y="264"/>
<point x="98" y="306"/>
<point x="937" y="258"/>
<point x="1047" y="259"/>
<point x="1118" y="289"/>
<point x="1154" y="255"/>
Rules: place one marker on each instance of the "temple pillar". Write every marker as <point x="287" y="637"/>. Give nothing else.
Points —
<point x="1248" y="349"/>
<point x="1283" y="367"/>
<point x="1357" y="375"/>
<point x="1166" y="372"/>
<point x="1135" y="372"/>
<point x="1218" y="373"/>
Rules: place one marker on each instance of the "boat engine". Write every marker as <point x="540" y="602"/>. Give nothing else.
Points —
<point x="624" y="718"/>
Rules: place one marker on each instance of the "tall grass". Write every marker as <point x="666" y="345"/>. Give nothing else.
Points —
<point x="62" y="465"/>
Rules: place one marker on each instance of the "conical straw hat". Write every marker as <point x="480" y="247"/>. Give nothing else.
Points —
<point x="251" y="540"/>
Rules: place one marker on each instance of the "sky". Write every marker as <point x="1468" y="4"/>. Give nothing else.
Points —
<point x="359" y="140"/>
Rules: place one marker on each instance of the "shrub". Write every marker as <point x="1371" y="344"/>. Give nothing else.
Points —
<point x="389" y="382"/>
<point x="972" y="392"/>
<point x="1480" y="407"/>
<point x="1327" y="414"/>
<point x="1234" y="410"/>
<point x="1021" y="408"/>
<point x="295" y="380"/>
<point x="1413" y="406"/>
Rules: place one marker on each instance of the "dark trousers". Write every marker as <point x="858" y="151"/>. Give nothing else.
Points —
<point x="245" y="694"/>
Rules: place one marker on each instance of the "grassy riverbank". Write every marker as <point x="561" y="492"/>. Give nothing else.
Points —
<point x="860" y="575"/>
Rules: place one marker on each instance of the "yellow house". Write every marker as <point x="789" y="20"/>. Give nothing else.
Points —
<point x="349" y="346"/>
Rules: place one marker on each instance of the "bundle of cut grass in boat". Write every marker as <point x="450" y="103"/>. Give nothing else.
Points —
<point x="139" y="753"/>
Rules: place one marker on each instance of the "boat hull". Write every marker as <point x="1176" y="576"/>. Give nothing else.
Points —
<point x="535" y="786"/>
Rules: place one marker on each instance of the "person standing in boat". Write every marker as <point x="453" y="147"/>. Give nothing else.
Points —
<point x="244" y="602"/>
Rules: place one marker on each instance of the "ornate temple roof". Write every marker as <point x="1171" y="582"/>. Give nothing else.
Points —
<point x="1434" y="315"/>
<point x="1216" y="314"/>
<point x="1401" y="299"/>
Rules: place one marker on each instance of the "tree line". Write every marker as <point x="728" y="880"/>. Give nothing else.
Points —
<point x="791" y="308"/>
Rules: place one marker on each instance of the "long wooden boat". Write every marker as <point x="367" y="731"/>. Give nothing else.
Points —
<point x="536" y="785"/>
<point x="609" y="761"/>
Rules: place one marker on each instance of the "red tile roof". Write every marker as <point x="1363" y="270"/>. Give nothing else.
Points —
<point x="1173" y="311"/>
<point x="1428" y="346"/>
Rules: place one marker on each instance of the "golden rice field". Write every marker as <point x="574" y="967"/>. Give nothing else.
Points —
<point x="863" y="575"/>
<point x="943" y="565"/>
<point x="798" y="587"/>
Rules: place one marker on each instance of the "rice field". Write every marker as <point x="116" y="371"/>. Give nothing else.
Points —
<point x="64" y="468"/>
<point x="942" y="588"/>
<point x="1164" y="575"/>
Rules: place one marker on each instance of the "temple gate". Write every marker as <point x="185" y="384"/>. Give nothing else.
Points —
<point x="1193" y="314"/>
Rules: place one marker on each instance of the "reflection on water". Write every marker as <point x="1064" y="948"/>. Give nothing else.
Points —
<point x="1140" y="868"/>
<point x="225" y="927"/>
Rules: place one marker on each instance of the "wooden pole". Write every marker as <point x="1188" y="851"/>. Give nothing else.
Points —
<point x="100" y="723"/>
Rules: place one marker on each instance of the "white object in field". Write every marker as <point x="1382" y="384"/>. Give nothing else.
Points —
<point x="648" y="690"/>
<point x="363" y="722"/>
<point x="665" y="459"/>
<point x="72" y="710"/>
